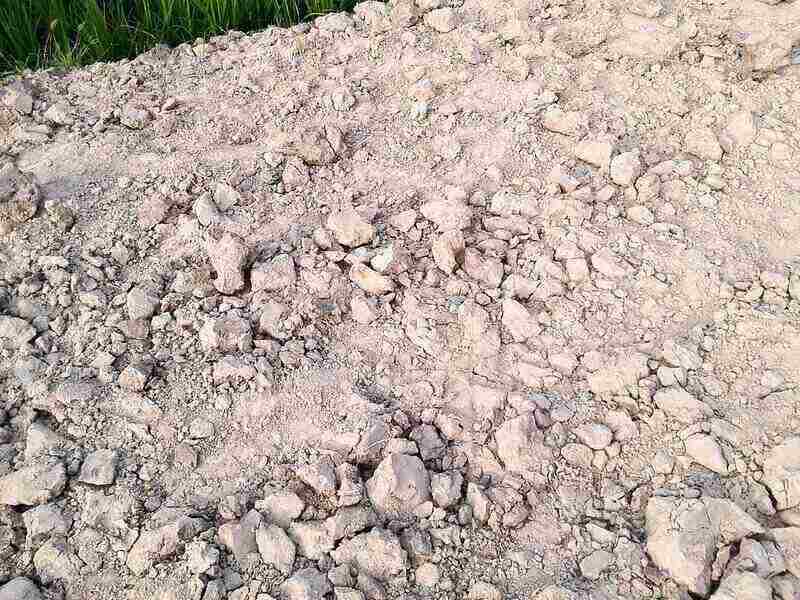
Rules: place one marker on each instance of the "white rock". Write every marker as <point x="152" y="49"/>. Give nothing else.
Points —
<point x="442" y="20"/>
<point x="625" y="168"/>
<point x="275" y="547"/>
<point x="349" y="228"/>
<point x="702" y="142"/>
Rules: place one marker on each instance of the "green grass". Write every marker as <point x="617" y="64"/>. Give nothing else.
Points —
<point x="67" y="33"/>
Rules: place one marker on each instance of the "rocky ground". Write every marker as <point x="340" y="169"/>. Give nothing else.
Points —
<point x="435" y="300"/>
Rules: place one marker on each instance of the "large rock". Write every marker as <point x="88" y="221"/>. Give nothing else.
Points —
<point x="312" y="538"/>
<point x="377" y="553"/>
<point x="20" y="588"/>
<point x="680" y="405"/>
<point x="306" y="584"/>
<point x="683" y="535"/>
<point x="398" y="486"/>
<point x="741" y="585"/>
<point x="34" y="484"/>
<point x="520" y="445"/>
<point x="782" y="473"/>
<point x="275" y="547"/>
<point x="55" y="561"/>
<point x="788" y="542"/>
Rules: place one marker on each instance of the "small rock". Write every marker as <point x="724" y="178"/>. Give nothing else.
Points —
<point x="319" y="476"/>
<point x="228" y="256"/>
<point x="362" y="310"/>
<point x="595" y="435"/>
<point x="739" y="132"/>
<point x="480" y="590"/>
<point x="399" y="484"/>
<point x="599" y="561"/>
<point x="702" y="142"/>
<point x="280" y="507"/>
<point x="33" y="484"/>
<point x="625" y="168"/>
<point x="442" y="20"/>
<point x="377" y="553"/>
<point x="448" y="250"/>
<point x="20" y="588"/>
<point x="705" y="451"/>
<point x="369" y="280"/>
<point x="427" y="575"/>
<point x="275" y="275"/>
<point x="595" y="152"/>
<point x="447" y="214"/>
<point x="276" y="548"/>
<point x="305" y="584"/>
<point x="312" y="538"/>
<point x="446" y="488"/>
<point x="349" y="228"/>
<point x="681" y="405"/>
<point x="99" y="468"/>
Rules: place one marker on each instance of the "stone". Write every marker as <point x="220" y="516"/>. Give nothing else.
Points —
<point x="15" y="332"/>
<point x="152" y="211"/>
<point x="447" y="214"/>
<point x="427" y="575"/>
<point x="595" y="435"/>
<point x="276" y="275"/>
<point x="520" y="446"/>
<point x="228" y="256"/>
<point x="399" y="484"/>
<point x="141" y="303"/>
<point x="319" y="476"/>
<point x="594" y="565"/>
<point x="428" y="441"/>
<point x="201" y="556"/>
<point x="446" y="488"/>
<point x="370" y="281"/>
<point x="595" y="152"/>
<point x="564" y="122"/>
<point x="17" y="96"/>
<point x="239" y="537"/>
<point x="448" y="250"/>
<point x="349" y="228"/>
<point x="295" y="174"/>
<point x="55" y="561"/>
<point x="377" y="553"/>
<point x="276" y="548"/>
<point x="163" y="542"/>
<point x="134" y="377"/>
<point x="404" y="221"/>
<point x="99" y="468"/>
<point x="481" y="590"/>
<point x="625" y="168"/>
<point x="522" y="325"/>
<point x="782" y="473"/>
<point x="607" y="264"/>
<point x="20" y="588"/>
<point x="312" y="538"/>
<point x="739" y="132"/>
<point x="705" y="451"/>
<point x="33" y="484"/>
<point x="741" y="585"/>
<point x="280" y="507"/>
<point x="787" y="540"/>
<point x="702" y="142"/>
<point x="349" y="520"/>
<point x="443" y="20"/>
<point x="226" y="334"/>
<point x="484" y="269"/>
<point x="134" y="117"/>
<point x="41" y="440"/>
<point x="680" y="405"/>
<point x="19" y="199"/>
<point x="362" y="310"/>
<point x="43" y="522"/>
<point x="305" y="584"/>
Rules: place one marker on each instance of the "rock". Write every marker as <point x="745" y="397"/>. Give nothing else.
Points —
<point x="141" y="303"/>
<point x="625" y="168"/>
<point x="99" y="468"/>
<point x="595" y="152"/>
<point x="295" y="174"/>
<point x="520" y="446"/>
<point x="683" y="355"/>
<point x="442" y="20"/>
<point x="15" y="332"/>
<point x="18" y="97"/>
<point x="427" y="575"/>
<point x="594" y="565"/>
<point x="280" y="507"/>
<point x="741" y="585"/>
<point x="377" y="553"/>
<point x="448" y="250"/>
<point x="240" y="537"/>
<point x="620" y="373"/>
<point x="41" y="440"/>
<point x="158" y="544"/>
<point x="680" y="405"/>
<point x="134" y="117"/>
<point x="595" y="435"/>
<point x="606" y="263"/>
<point x="201" y="556"/>
<point x="20" y="588"/>
<point x="399" y="484"/>
<point x="404" y="221"/>
<point x="702" y="142"/>
<point x="447" y="214"/>
<point x="739" y="132"/>
<point x="362" y="310"/>
<point x="33" y="484"/>
<point x="305" y="584"/>
<point x="486" y="270"/>
<point x="276" y="275"/>
<point x="683" y="535"/>
<point x="519" y="321"/>
<point x="318" y="146"/>
<point x="349" y="229"/>
<point x="55" y="561"/>
<point x="19" y="199"/>
<point x="705" y="451"/>
<point x="275" y="547"/>
<point x="370" y="281"/>
<point x="347" y="593"/>
<point x="577" y="455"/>
<point x="134" y="377"/>
<point x="228" y="256"/>
<point x="226" y="334"/>
<point x="559" y="121"/>
<point x="43" y="522"/>
<point x="788" y="542"/>
<point x="153" y="211"/>
<point x="428" y="441"/>
<point x="319" y="476"/>
<point x="312" y="538"/>
<point x="446" y="488"/>
<point x="480" y="590"/>
<point x="782" y="473"/>
<point x="349" y="520"/>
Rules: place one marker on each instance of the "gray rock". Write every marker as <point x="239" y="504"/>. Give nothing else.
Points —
<point x="305" y="584"/>
<point x="594" y="565"/>
<point x="377" y="553"/>
<point x="280" y="507"/>
<point x="141" y="303"/>
<point x="33" y="484"/>
<point x="201" y="556"/>
<point x="41" y="440"/>
<point x="42" y="522"/>
<point x="312" y="538"/>
<point x="399" y="484"/>
<point x="20" y="588"/>
<point x="275" y="275"/>
<point x="741" y="585"/>
<point x="275" y="548"/>
<point x="226" y="334"/>
<point x="99" y="468"/>
<point x="428" y="441"/>
<point x="15" y="332"/>
<point x="348" y="521"/>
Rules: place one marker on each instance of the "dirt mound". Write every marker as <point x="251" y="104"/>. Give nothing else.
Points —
<point x="435" y="300"/>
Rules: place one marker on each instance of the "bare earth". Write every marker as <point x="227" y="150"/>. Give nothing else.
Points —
<point x="472" y="300"/>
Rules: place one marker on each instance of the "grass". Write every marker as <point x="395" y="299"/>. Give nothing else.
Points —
<point x="67" y="33"/>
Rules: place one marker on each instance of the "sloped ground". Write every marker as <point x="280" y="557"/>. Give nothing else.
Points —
<point x="492" y="300"/>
